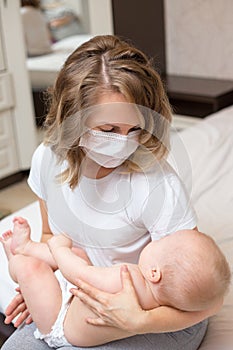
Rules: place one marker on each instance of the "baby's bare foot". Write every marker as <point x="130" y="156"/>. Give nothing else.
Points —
<point x="21" y="235"/>
<point x="6" y="241"/>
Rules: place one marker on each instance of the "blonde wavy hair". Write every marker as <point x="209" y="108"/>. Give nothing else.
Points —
<point x="106" y="64"/>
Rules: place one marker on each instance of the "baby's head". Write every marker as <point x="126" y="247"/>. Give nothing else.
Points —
<point x="187" y="270"/>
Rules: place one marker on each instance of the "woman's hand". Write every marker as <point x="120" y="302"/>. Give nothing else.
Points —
<point x="121" y="310"/>
<point x="17" y="307"/>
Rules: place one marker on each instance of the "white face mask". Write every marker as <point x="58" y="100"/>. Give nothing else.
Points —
<point x="109" y="149"/>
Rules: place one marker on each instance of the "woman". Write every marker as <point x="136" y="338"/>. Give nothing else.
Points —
<point x="102" y="178"/>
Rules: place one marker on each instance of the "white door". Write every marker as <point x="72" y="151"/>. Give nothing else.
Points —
<point x="18" y="121"/>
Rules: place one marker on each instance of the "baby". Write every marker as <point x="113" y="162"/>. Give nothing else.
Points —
<point x="185" y="270"/>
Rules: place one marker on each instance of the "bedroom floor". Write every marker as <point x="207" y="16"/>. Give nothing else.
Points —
<point x="16" y="196"/>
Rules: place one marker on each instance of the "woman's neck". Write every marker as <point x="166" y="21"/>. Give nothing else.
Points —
<point x="93" y="170"/>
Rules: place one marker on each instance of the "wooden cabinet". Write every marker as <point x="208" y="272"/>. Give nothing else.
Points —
<point x="8" y="155"/>
<point x="2" y="58"/>
<point x="18" y="138"/>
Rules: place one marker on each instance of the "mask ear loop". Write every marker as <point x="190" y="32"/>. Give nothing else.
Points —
<point x="134" y="134"/>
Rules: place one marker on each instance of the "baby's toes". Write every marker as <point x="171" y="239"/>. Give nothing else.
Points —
<point x="20" y="222"/>
<point x="6" y="235"/>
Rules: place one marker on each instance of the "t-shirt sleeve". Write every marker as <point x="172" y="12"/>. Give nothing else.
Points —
<point x="168" y="209"/>
<point x="36" y="176"/>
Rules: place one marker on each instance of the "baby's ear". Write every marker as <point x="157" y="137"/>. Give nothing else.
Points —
<point x="154" y="274"/>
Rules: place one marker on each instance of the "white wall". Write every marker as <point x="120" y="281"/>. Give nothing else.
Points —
<point x="100" y="17"/>
<point x="199" y="38"/>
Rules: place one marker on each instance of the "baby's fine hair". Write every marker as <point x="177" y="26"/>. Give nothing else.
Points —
<point x="105" y="64"/>
<point x="196" y="275"/>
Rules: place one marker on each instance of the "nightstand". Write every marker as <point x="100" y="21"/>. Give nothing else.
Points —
<point x="198" y="97"/>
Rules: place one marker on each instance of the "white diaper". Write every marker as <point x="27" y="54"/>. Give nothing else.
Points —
<point x="56" y="338"/>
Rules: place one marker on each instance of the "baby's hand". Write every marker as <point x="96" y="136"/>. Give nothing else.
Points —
<point x="58" y="241"/>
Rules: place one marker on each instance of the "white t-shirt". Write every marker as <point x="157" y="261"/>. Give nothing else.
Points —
<point x="114" y="217"/>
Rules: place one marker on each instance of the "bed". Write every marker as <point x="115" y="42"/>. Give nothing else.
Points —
<point x="204" y="150"/>
<point x="43" y="69"/>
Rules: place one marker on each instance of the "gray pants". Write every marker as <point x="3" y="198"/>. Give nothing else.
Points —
<point x="188" y="339"/>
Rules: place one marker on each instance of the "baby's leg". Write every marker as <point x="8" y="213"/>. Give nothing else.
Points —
<point x="38" y="285"/>
<point x="40" y="289"/>
<point x="16" y="241"/>
<point x="21" y="243"/>
<point x="79" y="333"/>
<point x="21" y="235"/>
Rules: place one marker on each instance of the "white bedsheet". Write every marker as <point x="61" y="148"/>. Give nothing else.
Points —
<point x="209" y="146"/>
<point x="206" y="150"/>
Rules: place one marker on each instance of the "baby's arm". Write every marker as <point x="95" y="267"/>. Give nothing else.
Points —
<point x="118" y="309"/>
<point x="41" y="251"/>
<point x="74" y="267"/>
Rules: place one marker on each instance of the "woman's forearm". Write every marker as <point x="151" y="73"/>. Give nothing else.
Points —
<point x="166" y="319"/>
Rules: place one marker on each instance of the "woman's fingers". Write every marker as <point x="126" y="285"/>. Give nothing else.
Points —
<point x="29" y="320"/>
<point x="111" y="309"/>
<point x="16" y="310"/>
<point x="89" y="290"/>
<point x="126" y="280"/>
<point x="16" y="303"/>
<point x="96" y="321"/>
<point x="23" y="317"/>
<point x="20" y="311"/>
<point x="93" y="304"/>
<point x="101" y="296"/>
<point x="17" y="307"/>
